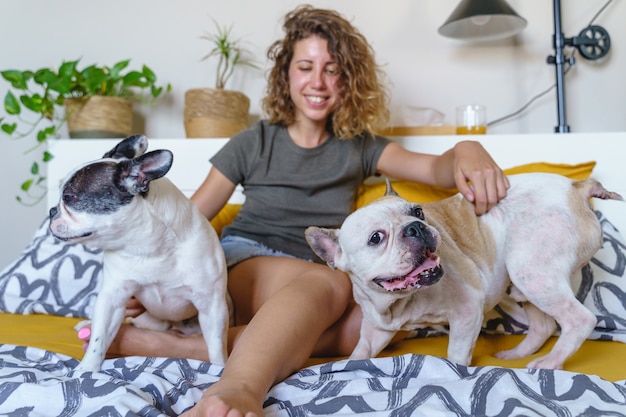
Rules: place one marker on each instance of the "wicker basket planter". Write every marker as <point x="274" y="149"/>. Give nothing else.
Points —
<point x="215" y="113"/>
<point x="99" y="117"/>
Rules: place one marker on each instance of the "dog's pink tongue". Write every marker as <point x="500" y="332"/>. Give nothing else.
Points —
<point x="411" y="280"/>
<point x="429" y="263"/>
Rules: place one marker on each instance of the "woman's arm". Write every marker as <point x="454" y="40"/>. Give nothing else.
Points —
<point x="213" y="194"/>
<point x="467" y="166"/>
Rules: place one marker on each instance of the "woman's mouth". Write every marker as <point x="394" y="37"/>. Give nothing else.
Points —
<point x="316" y="100"/>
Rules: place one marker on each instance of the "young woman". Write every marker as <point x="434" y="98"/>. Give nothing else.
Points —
<point x="300" y="167"/>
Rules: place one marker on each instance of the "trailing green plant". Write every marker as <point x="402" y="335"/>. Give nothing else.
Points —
<point x="34" y="104"/>
<point x="230" y="54"/>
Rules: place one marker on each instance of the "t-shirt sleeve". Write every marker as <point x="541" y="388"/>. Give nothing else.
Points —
<point x="233" y="159"/>
<point x="373" y="148"/>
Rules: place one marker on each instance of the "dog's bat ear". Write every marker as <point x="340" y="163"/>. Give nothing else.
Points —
<point x="389" y="190"/>
<point x="325" y="244"/>
<point x="129" y="148"/>
<point x="134" y="175"/>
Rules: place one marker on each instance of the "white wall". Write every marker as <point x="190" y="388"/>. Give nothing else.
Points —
<point x="425" y="68"/>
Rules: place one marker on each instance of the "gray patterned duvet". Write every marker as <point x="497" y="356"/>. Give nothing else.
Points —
<point x="34" y="382"/>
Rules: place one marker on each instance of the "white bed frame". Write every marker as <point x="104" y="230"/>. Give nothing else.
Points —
<point x="191" y="158"/>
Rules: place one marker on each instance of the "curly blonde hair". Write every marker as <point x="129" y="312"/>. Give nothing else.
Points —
<point x="363" y="94"/>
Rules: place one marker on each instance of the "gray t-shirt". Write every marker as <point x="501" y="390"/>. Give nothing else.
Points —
<point x="289" y="188"/>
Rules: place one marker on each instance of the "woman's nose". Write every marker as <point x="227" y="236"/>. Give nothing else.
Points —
<point x="317" y="79"/>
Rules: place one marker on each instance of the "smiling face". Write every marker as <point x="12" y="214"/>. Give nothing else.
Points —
<point x="313" y="80"/>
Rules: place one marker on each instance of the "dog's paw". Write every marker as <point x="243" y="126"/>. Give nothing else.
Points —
<point x="81" y="368"/>
<point x="508" y="354"/>
<point x="545" y="362"/>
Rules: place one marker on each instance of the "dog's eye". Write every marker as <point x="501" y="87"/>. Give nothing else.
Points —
<point x="376" y="238"/>
<point x="69" y="198"/>
<point x="416" y="211"/>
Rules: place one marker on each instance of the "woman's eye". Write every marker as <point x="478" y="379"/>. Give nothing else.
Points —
<point x="376" y="238"/>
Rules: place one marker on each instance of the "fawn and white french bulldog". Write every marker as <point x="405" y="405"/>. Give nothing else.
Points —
<point x="413" y="264"/>
<point x="156" y="244"/>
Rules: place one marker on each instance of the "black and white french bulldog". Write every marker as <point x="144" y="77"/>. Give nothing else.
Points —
<point x="156" y="244"/>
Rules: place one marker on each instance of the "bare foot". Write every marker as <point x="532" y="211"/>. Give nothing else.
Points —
<point x="232" y="402"/>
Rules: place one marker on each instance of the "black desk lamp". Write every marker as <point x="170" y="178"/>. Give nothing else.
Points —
<point x="482" y="20"/>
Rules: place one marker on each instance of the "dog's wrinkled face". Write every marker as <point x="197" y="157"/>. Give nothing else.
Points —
<point x="386" y="246"/>
<point x="96" y="197"/>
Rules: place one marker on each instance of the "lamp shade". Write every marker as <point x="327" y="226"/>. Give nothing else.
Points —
<point x="482" y="20"/>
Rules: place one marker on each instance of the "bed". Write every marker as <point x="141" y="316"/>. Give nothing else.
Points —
<point x="52" y="286"/>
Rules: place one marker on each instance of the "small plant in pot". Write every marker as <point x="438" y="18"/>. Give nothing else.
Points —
<point x="218" y="112"/>
<point x="95" y="101"/>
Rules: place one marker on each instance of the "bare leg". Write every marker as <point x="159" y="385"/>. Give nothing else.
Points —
<point x="338" y="340"/>
<point x="289" y="305"/>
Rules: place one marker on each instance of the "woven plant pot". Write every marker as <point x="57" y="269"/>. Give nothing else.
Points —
<point x="99" y="117"/>
<point x="215" y="113"/>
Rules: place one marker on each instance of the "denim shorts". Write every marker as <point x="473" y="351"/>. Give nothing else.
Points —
<point x="238" y="249"/>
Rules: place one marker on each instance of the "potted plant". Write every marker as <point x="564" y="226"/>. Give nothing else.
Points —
<point x="94" y="102"/>
<point x="218" y="112"/>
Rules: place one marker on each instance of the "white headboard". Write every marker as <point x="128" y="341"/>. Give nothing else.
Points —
<point x="191" y="158"/>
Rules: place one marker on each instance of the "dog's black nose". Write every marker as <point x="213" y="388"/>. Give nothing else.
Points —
<point x="415" y="229"/>
<point x="53" y="212"/>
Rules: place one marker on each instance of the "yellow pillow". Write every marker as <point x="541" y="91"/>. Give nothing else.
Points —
<point x="575" y="172"/>
<point x="225" y="217"/>
<point x="412" y="191"/>
<point x="425" y="194"/>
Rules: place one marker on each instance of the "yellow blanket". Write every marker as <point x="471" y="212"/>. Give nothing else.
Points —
<point x="601" y="358"/>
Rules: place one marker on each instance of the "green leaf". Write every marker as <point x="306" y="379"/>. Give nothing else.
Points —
<point x="133" y="79"/>
<point x="45" y="133"/>
<point x="149" y="74"/>
<point x="34" y="169"/>
<point x="26" y="186"/>
<point x="47" y="156"/>
<point x="117" y="68"/>
<point x="61" y="85"/>
<point x="45" y="76"/>
<point x="8" y="128"/>
<point x="11" y="105"/>
<point x="34" y="102"/>
<point x="66" y="70"/>
<point x="96" y="80"/>
<point x="16" y="78"/>
<point x="156" y="91"/>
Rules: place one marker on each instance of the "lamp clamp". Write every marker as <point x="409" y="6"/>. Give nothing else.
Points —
<point x="571" y="60"/>
<point x="593" y="42"/>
